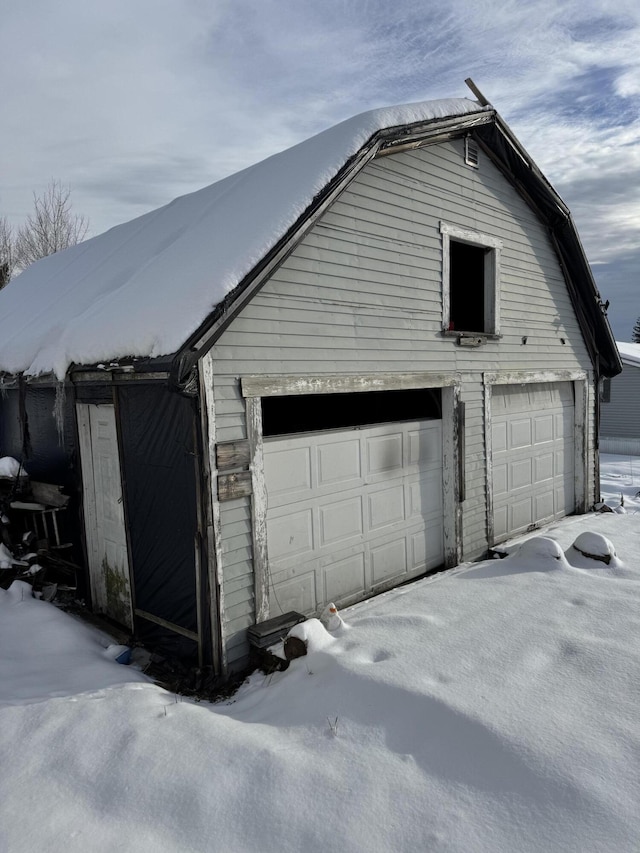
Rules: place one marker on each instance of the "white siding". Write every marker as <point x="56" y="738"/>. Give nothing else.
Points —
<point x="362" y="293"/>
<point x="620" y="417"/>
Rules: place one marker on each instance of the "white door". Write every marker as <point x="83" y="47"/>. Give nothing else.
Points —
<point x="532" y="438"/>
<point x="352" y="512"/>
<point x="104" y="513"/>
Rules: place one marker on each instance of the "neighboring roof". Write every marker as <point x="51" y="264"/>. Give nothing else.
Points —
<point x="167" y="282"/>
<point x="629" y="353"/>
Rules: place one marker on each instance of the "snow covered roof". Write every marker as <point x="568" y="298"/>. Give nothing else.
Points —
<point x="142" y="288"/>
<point x="165" y="284"/>
<point x="630" y="353"/>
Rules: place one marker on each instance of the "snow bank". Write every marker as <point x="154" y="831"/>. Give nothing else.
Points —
<point x="45" y="652"/>
<point x="491" y="709"/>
<point x="461" y="713"/>
<point x="143" y="287"/>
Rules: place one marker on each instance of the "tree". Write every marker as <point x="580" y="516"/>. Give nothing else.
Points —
<point x="635" y="335"/>
<point x="7" y="255"/>
<point x="50" y="228"/>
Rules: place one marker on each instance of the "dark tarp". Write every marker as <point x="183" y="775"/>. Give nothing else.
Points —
<point x="46" y="448"/>
<point x="29" y="433"/>
<point x="158" y="464"/>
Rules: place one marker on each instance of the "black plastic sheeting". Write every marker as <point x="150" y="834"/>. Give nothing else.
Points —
<point x="159" y="458"/>
<point x="46" y="449"/>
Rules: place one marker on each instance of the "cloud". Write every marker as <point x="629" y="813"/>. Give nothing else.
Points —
<point x="135" y="103"/>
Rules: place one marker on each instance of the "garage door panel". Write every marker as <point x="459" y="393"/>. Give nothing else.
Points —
<point x="295" y="592"/>
<point x="340" y="521"/>
<point x="424" y="498"/>
<point x="424" y="449"/>
<point x="338" y="462"/>
<point x="520" y="433"/>
<point x="564" y="426"/>
<point x="290" y="535"/>
<point x="500" y="480"/>
<point x="543" y="429"/>
<point x="425" y="548"/>
<point x="384" y="454"/>
<point x="388" y="560"/>
<point x="564" y="496"/>
<point x="544" y="506"/>
<point x="520" y="474"/>
<point x="386" y="506"/>
<point x="500" y="521"/>
<point x="499" y="437"/>
<point x="344" y="578"/>
<point x="288" y="471"/>
<point x="522" y="512"/>
<point x="544" y="467"/>
<point x="533" y="471"/>
<point x="372" y="513"/>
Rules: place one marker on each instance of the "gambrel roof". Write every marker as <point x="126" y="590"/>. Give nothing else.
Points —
<point x="168" y="283"/>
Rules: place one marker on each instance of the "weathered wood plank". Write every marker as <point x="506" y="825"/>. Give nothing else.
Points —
<point x="259" y="510"/>
<point x="211" y="515"/>
<point x="235" y="485"/>
<point x="271" y="386"/>
<point x="232" y="454"/>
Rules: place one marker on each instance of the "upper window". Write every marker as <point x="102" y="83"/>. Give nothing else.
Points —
<point x="470" y="281"/>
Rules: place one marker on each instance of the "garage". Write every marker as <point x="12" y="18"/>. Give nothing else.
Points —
<point x="533" y="455"/>
<point x="351" y="512"/>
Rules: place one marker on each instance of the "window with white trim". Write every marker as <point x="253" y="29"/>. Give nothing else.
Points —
<point x="470" y="281"/>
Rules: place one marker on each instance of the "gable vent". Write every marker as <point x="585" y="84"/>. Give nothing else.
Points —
<point x="470" y="152"/>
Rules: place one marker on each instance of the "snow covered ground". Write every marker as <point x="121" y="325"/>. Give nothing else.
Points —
<point x="494" y="708"/>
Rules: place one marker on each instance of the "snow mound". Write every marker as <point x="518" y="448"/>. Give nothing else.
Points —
<point x="9" y="467"/>
<point x="593" y="551"/>
<point x="46" y="652"/>
<point x="595" y="544"/>
<point x="542" y="552"/>
<point x="313" y="633"/>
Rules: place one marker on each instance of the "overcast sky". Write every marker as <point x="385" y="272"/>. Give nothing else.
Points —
<point x="133" y="102"/>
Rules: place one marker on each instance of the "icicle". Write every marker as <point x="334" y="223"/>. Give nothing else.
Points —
<point x="58" y="410"/>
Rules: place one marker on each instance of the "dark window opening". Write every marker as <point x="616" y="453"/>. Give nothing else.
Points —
<point x="315" y="412"/>
<point x="467" y="287"/>
<point x="605" y="391"/>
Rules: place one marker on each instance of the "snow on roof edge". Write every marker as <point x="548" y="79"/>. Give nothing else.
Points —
<point x="143" y="287"/>
<point x="629" y="352"/>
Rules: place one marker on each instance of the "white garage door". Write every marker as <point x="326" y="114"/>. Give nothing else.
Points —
<point x="351" y="512"/>
<point x="533" y="455"/>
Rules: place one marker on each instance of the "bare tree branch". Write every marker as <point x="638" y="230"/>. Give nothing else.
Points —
<point x="7" y="254"/>
<point x="50" y="228"/>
